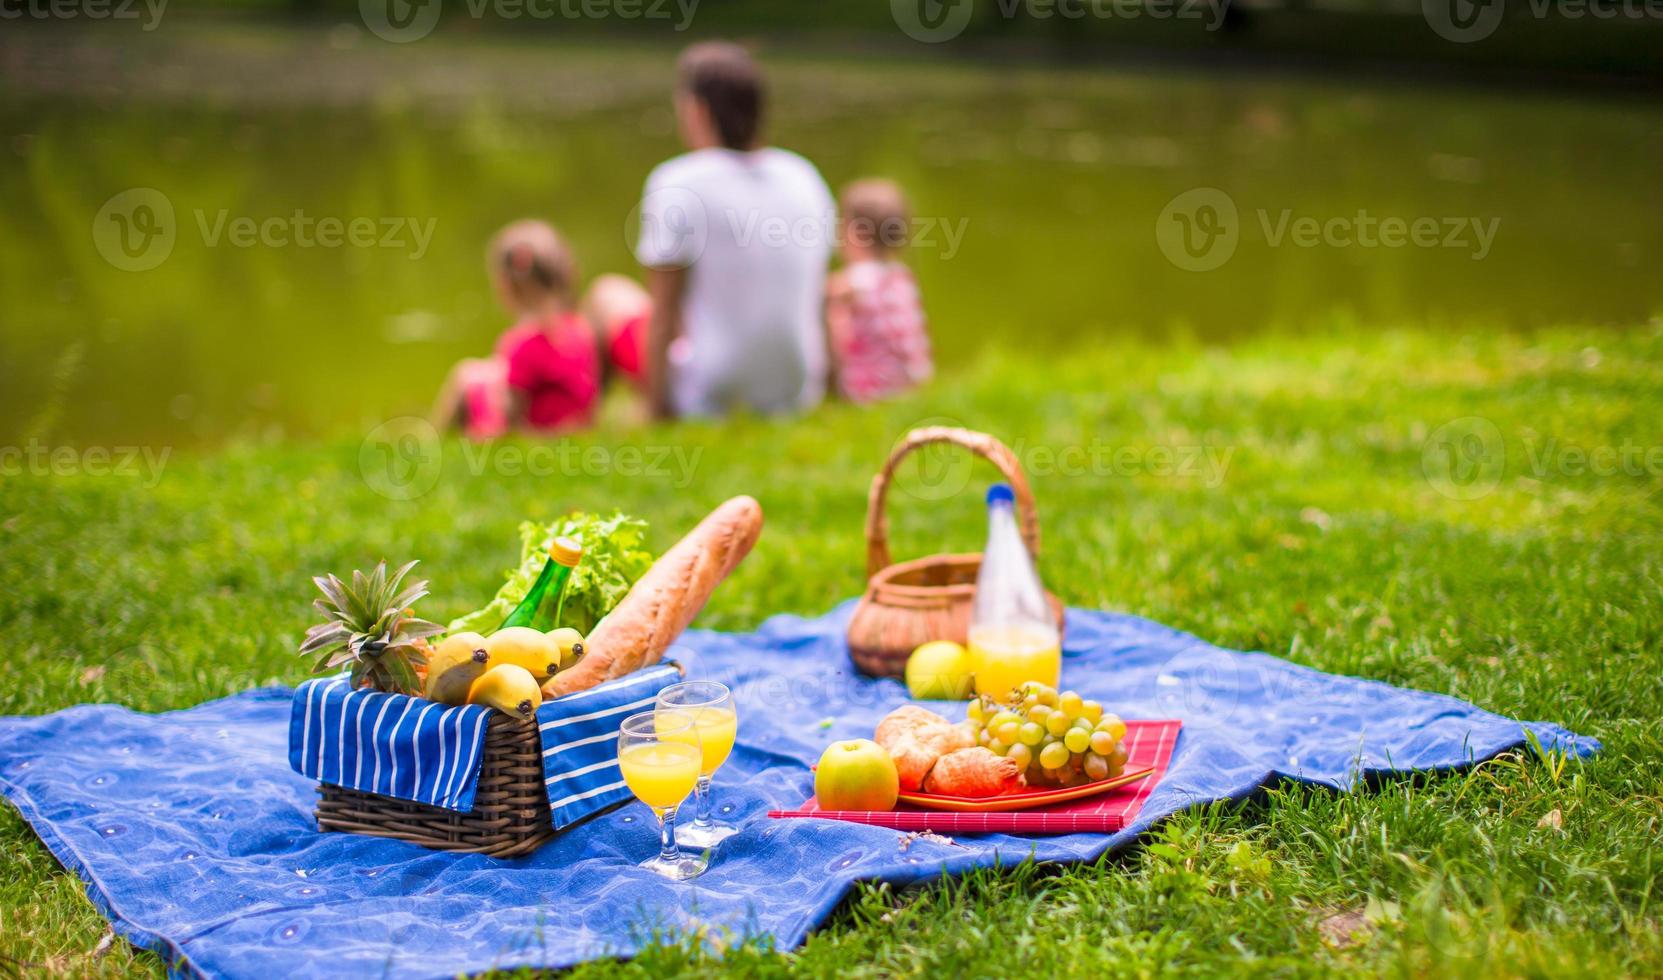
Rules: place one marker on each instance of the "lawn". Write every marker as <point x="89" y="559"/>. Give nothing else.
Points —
<point x="1287" y="494"/>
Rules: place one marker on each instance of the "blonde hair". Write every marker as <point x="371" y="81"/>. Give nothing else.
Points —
<point x="875" y="214"/>
<point x="533" y="261"/>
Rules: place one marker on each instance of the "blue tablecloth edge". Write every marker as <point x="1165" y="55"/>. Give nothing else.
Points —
<point x="120" y="924"/>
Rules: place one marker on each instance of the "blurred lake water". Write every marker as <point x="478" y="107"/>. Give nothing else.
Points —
<point x="1045" y="206"/>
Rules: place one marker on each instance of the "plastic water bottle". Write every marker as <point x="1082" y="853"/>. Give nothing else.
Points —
<point x="1013" y="636"/>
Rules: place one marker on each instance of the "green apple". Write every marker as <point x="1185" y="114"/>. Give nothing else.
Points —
<point x="939" y="671"/>
<point x="856" y="774"/>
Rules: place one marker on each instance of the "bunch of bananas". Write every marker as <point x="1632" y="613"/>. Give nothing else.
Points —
<point x="506" y="670"/>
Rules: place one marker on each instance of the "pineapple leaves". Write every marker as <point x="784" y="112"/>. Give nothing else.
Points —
<point x="402" y="676"/>
<point x="409" y="596"/>
<point x="323" y="636"/>
<point x="370" y="627"/>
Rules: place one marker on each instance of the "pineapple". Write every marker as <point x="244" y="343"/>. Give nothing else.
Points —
<point x="372" y="627"/>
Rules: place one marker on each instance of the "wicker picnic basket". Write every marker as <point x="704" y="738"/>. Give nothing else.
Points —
<point x="510" y="815"/>
<point x="929" y="598"/>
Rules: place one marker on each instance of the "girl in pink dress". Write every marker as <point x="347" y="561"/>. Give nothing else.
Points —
<point x="874" y="318"/>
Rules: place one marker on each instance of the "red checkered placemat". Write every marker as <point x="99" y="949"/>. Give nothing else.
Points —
<point x="1148" y="743"/>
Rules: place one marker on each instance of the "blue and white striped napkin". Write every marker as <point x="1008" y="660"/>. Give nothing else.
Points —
<point x="580" y="741"/>
<point x="414" y="749"/>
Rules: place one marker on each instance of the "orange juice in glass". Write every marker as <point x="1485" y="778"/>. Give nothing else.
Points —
<point x="1006" y="657"/>
<point x="708" y="708"/>
<point x="660" y="758"/>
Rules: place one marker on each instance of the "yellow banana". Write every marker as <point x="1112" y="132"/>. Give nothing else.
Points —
<point x="570" y="642"/>
<point x="454" y="666"/>
<point x="509" y="689"/>
<point x="525" y="647"/>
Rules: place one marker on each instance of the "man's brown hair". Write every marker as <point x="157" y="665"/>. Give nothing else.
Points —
<point x="722" y="76"/>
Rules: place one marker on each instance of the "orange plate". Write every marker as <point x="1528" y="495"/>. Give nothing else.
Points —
<point x="1021" y="801"/>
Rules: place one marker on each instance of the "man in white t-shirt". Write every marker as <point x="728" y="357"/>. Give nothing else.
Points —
<point x="735" y="238"/>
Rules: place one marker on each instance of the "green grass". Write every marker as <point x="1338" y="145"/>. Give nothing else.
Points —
<point x="1324" y="541"/>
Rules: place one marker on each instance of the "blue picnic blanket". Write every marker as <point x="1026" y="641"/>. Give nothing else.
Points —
<point x="197" y="839"/>
<point x="413" y="749"/>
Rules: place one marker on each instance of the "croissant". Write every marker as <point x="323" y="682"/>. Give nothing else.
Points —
<point x="974" y="772"/>
<point x="905" y="720"/>
<point x="913" y="761"/>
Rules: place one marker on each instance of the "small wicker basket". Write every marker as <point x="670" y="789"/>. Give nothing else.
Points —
<point x="930" y="598"/>
<point x="510" y="815"/>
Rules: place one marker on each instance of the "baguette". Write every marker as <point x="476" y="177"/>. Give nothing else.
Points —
<point x="666" y="599"/>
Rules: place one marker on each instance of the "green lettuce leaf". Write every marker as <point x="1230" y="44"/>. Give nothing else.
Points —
<point x="614" y="556"/>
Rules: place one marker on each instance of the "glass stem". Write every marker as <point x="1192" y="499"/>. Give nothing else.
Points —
<point x="701" y="811"/>
<point x="667" y="850"/>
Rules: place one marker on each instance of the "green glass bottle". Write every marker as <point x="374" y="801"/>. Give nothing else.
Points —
<point x="543" y="603"/>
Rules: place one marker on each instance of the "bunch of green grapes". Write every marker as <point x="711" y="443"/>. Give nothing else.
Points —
<point x="1059" y="739"/>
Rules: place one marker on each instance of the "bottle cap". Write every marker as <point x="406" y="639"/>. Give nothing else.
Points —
<point x="1000" y="493"/>
<point x="566" y="551"/>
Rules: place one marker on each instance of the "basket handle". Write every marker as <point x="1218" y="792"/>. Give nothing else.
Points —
<point x="980" y="443"/>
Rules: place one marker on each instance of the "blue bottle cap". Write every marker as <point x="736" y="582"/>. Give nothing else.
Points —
<point x="1000" y="493"/>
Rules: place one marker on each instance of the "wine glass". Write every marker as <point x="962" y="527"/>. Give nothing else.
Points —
<point x="659" y="757"/>
<point x="709" y="707"/>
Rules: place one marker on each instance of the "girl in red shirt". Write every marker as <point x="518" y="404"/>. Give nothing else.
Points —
<point x="544" y="375"/>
